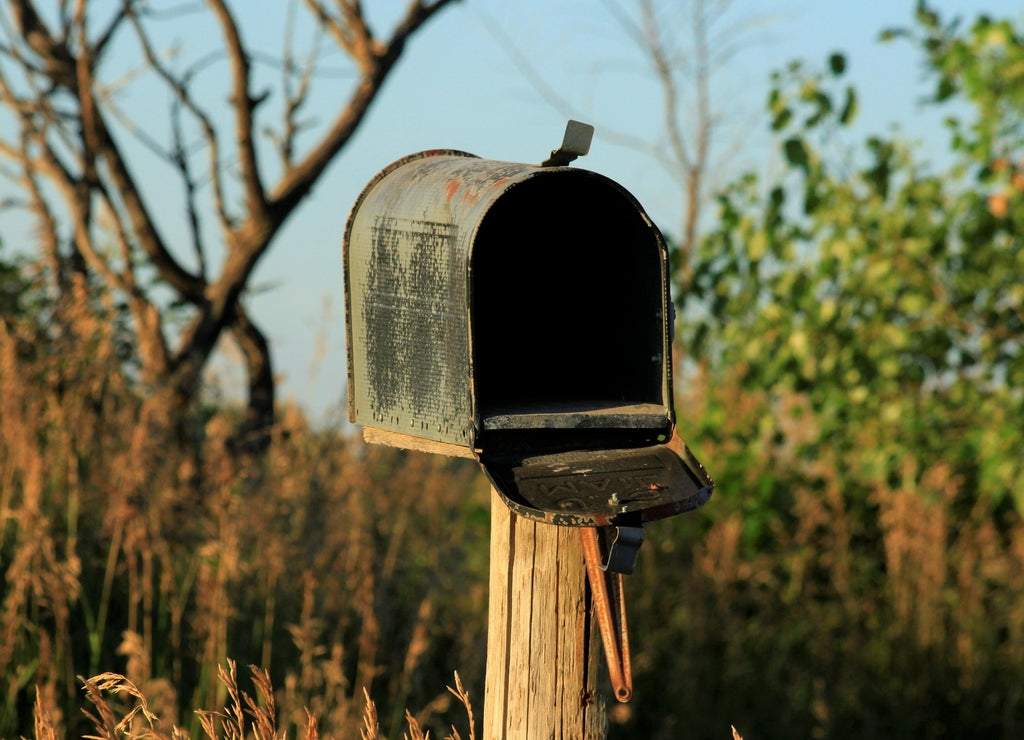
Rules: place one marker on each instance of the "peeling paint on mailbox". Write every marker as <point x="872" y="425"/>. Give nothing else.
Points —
<point x="518" y="312"/>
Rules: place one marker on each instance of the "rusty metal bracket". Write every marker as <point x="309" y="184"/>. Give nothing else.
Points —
<point x="610" y="610"/>
<point x="575" y="143"/>
<point x="622" y="549"/>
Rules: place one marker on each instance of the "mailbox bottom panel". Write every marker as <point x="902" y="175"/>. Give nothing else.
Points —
<point x="590" y="488"/>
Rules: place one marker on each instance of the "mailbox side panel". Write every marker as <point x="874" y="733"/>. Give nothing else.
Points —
<point x="406" y="255"/>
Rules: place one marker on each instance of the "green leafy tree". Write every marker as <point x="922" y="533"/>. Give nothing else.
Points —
<point x="854" y="380"/>
<point x="886" y="293"/>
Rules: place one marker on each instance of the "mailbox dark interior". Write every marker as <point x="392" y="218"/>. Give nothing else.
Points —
<point x="568" y="310"/>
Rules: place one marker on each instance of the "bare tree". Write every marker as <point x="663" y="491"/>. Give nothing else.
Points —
<point x="685" y="46"/>
<point x="69" y="153"/>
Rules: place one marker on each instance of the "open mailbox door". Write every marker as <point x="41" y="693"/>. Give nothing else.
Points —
<point x="520" y="315"/>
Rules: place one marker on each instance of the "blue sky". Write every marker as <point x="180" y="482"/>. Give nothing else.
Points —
<point x="459" y="86"/>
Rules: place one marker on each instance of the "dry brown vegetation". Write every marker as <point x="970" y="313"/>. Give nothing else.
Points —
<point x="152" y="550"/>
<point x="859" y="573"/>
<point x="860" y="605"/>
<point x="854" y="605"/>
<point x="121" y="709"/>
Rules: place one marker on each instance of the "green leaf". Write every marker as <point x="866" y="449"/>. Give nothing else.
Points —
<point x="889" y="34"/>
<point x="837" y="63"/>
<point x="811" y="200"/>
<point x="773" y="212"/>
<point x="849" y="111"/>
<point x="796" y="153"/>
<point x="780" y="120"/>
<point x="945" y="89"/>
<point x="926" y="16"/>
<point x="824" y="107"/>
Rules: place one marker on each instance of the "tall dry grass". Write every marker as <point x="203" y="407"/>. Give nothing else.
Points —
<point x="821" y="593"/>
<point x="138" y="542"/>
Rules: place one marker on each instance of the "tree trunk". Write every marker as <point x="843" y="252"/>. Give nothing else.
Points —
<point x="541" y="662"/>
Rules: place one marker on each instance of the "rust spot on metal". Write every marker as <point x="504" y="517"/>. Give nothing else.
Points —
<point x="451" y="190"/>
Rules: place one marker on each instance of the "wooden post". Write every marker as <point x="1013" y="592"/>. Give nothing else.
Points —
<point x="541" y="666"/>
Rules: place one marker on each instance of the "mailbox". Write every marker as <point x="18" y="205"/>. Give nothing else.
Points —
<point x="519" y="314"/>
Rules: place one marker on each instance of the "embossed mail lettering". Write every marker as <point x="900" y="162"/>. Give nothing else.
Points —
<point x="636" y="483"/>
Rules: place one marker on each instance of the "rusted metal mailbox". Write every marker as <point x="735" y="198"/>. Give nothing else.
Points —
<point x="519" y="314"/>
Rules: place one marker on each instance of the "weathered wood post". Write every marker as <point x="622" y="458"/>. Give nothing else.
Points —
<point x="520" y="315"/>
<point x="542" y="672"/>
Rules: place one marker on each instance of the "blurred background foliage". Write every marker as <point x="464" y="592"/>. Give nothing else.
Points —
<point x="854" y="377"/>
<point x="851" y="372"/>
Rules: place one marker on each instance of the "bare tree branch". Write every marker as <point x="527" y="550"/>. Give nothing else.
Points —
<point x="78" y="202"/>
<point x="55" y="57"/>
<point x="296" y="184"/>
<point x="244" y="106"/>
<point x="180" y="89"/>
<point x="684" y="73"/>
<point x="181" y="161"/>
<point x="99" y="143"/>
<point x="654" y="46"/>
<point x="71" y="122"/>
<point x="47" y="230"/>
<point x="295" y="97"/>
<point x="100" y="45"/>
<point x="256" y="350"/>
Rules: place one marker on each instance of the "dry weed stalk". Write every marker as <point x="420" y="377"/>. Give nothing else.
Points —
<point x="916" y="528"/>
<point x="42" y="719"/>
<point x="415" y="731"/>
<point x="460" y="693"/>
<point x="371" y="728"/>
<point x="244" y="716"/>
<point x="109" y="725"/>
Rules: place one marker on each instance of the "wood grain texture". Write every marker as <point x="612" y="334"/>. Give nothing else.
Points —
<point x="372" y="435"/>
<point x="541" y="668"/>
